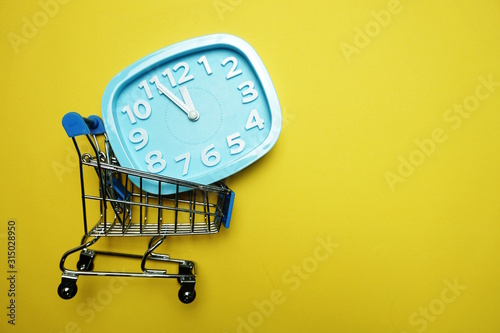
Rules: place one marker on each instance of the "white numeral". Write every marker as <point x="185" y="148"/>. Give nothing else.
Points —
<point x="156" y="81"/>
<point x="144" y="85"/>
<point x="147" y="109"/>
<point x="209" y="157"/>
<point x="137" y="111"/>
<point x="168" y="73"/>
<point x="184" y="77"/>
<point x="249" y="91"/>
<point x="186" y="157"/>
<point x="130" y="114"/>
<point x="233" y="71"/>
<point x="142" y="139"/>
<point x="203" y="60"/>
<point x="234" y="139"/>
<point x="254" y="120"/>
<point x="153" y="158"/>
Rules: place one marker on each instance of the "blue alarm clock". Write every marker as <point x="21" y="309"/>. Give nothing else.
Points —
<point x="200" y="110"/>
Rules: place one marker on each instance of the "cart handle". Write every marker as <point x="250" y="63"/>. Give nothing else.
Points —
<point x="228" y="208"/>
<point x="75" y="125"/>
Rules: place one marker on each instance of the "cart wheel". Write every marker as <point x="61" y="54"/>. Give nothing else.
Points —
<point x="186" y="295"/>
<point x="67" y="290"/>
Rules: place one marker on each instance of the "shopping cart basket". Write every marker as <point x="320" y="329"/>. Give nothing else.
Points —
<point x="126" y="209"/>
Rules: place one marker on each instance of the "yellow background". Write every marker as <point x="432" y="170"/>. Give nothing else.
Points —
<point x="358" y="89"/>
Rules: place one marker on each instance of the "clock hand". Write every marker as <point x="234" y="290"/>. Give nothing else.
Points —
<point x="187" y="106"/>
<point x="192" y="113"/>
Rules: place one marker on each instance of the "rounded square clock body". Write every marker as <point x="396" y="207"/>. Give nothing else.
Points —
<point x="200" y="110"/>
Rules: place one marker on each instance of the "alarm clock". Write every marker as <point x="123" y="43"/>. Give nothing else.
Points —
<point x="199" y="110"/>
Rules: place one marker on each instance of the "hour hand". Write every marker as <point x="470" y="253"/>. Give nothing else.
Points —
<point x="191" y="113"/>
<point x="187" y="105"/>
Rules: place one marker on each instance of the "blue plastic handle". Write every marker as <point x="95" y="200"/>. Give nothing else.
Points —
<point x="74" y="125"/>
<point x="228" y="209"/>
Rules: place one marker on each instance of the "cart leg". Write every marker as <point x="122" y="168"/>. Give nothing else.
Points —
<point x="187" y="280"/>
<point x="185" y="268"/>
<point x="154" y="242"/>
<point x="86" y="261"/>
<point x="67" y="289"/>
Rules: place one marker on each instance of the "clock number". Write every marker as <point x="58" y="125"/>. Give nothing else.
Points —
<point x="234" y="139"/>
<point x="128" y="111"/>
<point x="203" y="60"/>
<point x="155" y="161"/>
<point x="186" y="157"/>
<point x="168" y="73"/>
<point x="254" y="120"/>
<point x="184" y="76"/>
<point x="144" y="85"/>
<point x="137" y="111"/>
<point x="233" y="71"/>
<point x="141" y="139"/>
<point x="156" y="81"/>
<point x="248" y="91"/>
<point x="147" y="109"/>
<point x="209" y="157"/>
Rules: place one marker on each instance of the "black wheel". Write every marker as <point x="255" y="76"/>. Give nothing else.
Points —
<point x="186" y="296"/>
<point x="67" y="290"/>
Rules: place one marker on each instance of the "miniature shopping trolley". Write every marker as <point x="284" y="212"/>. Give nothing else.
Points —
<point x="125" y="209"/>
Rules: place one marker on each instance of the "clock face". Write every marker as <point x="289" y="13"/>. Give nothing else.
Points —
<point x="199" y="110"/>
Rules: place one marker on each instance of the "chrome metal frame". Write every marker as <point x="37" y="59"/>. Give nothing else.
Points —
<point x="126" y="210"/>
